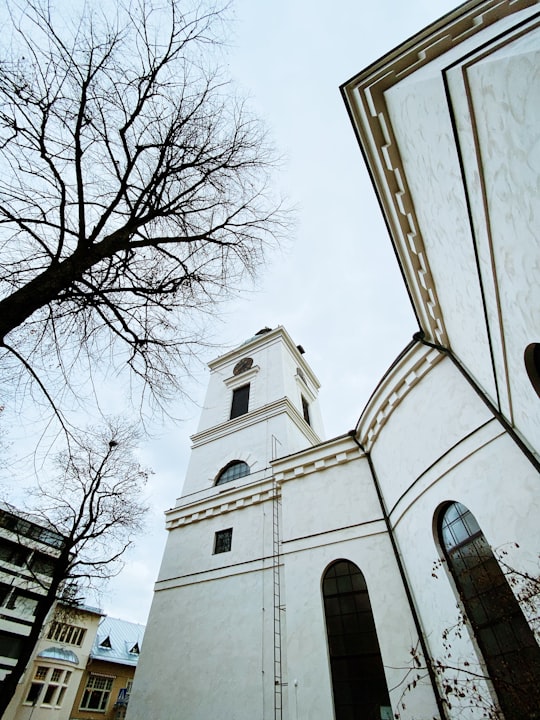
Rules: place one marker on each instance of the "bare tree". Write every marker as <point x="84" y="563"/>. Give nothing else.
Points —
<point x="134" y="189"/>
<point x="96" y="504"/>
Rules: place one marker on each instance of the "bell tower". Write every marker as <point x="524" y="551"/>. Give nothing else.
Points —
<point x="261" y="404"/>
<point x="213" y="639"/>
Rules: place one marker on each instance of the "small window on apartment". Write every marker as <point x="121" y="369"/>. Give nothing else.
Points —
<point x="135" y="649"/>
<point x="97" y="693"/>
<point x="10" y="644"/>
<point x="12" y="553"/>
<point x="234" y="470"/>
<point x="37" y="684"/>
<point x="34" y="693"/>
<point x="48" y="686"/>
<point x="223" y="541"/>
<point x="4" y="592"/>
<point x="305" y="410"/>
<point x="240" y="401"/>
<point x="42" y="564"/>
<point x="65" y="633"/>
<point x="106" y="643"/>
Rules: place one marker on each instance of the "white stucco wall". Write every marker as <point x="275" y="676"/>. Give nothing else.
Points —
<point x="467" y="135"/>
<point x="506" y="97"/>
<point x="205" y="652"/>
<point x="440" y="445"/>
<point x="440" y="411"/>
<point x="329" y="513"/>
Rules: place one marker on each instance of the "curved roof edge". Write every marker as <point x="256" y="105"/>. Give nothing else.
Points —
<point x="413" y="363"/>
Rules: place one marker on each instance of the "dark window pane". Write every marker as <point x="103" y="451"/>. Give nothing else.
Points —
<point x="223" y="541"/>
<point x="240" y="401"/>
<point x="344" y="584"/>
<point x="305" y="410"/>
<point x="329" y="586"/>
<point x="501" y="629"/>
<point x="10" y="644"/>
<point x="342" y="568"/>
<point x="358" y="582"/>
<point x="358" y="679"/>
<point x="49" y="694"/>
<point x="42" y="564"/>
<point x="12" y="552"/>
<point x="233" y="471"/>
<point x="34" y="693"/>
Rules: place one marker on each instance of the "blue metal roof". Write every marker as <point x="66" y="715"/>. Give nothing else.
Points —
<point x="59" y="653"/>
<point x="118" y="641"/>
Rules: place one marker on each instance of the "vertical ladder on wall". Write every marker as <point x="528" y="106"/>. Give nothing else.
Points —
<point x="278" y="698"/>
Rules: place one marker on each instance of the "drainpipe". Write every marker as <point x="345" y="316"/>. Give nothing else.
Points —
<point x="408" y="593"/>
<point x="420" y="337"/>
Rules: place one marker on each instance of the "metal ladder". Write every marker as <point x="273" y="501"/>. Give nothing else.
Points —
<point x="278" y="608"/>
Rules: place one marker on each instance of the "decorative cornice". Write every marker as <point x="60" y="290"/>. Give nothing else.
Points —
<point x="259" y="341"/>
<point x="222" y="502"/>
<point x="364" y="96"/>
<point x="393" y="389"/>
<point x="236" y="381"/>
<point x="339" y="451"/>
<point x="278" y="407"/>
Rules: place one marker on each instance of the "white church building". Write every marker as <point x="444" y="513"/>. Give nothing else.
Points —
<point x="391" y="571"/>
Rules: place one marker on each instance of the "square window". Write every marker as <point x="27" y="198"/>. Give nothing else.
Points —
<point x="41" y="672"/>
<point x="34" y="693"/>
<point x="96" y="694"/>
<point x="223" y="541"/>
<point x="240" y="401"/>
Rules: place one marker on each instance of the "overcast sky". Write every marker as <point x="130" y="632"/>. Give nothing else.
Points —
<point x="335" y="285"/>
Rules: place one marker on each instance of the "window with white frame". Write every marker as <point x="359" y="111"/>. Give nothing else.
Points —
<point x="48" y="686"/>
<point x="97" y="693"/>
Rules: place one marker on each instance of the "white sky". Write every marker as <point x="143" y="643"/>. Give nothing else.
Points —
<point x="336" y="286"/>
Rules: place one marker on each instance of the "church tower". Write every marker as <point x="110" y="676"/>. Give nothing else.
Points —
<point x="215" y="625"/>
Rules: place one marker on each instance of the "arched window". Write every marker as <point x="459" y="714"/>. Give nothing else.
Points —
<point x="358" y="679"/>
<point x="234" y="470"/>
<point x="511" y="654"/>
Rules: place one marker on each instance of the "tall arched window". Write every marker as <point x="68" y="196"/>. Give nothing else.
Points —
<point x="511" y="654"/>
<point x="234" y="470"/>
<point x="358" y="679"/>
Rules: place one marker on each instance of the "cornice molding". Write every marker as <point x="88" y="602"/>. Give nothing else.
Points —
<point x="236" y="381"/>
<point x="278" y="407"/>
<point x="393" y="389"/>
<point x="364" y="96"/>
<point x="258" y="342"/>
<point x="221" y="503"/>
<point x="339" y="451"/>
